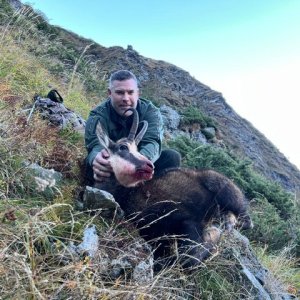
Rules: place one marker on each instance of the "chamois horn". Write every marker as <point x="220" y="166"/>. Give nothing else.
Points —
<point x="141" y="133"/>
<point x="134" y="126"/>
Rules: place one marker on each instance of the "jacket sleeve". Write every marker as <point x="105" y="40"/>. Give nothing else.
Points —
<point x="151" y="143"/>
<point x="91" y="140"/>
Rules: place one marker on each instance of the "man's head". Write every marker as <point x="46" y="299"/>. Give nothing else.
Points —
<point x="123" y="91"/>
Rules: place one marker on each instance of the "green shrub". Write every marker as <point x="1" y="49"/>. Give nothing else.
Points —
<point x="192" y="115"/>
<point x="270" y="229"/>
<point x="197" y="155"/>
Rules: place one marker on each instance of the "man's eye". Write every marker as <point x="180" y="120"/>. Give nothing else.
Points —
<point x="120" y="92"/>
<point x="123" y="148"/>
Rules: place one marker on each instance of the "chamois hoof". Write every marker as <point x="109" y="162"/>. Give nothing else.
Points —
<point x="230" y="221"/>
<point x="245" y="222"/>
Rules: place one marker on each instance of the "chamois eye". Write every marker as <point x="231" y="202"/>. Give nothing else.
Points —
<point x="123" y="148"/>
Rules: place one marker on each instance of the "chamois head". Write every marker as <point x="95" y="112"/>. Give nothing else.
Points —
<point x="129" y="166"/>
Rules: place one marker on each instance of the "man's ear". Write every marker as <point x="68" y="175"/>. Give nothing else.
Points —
<point x="109" y="92"/>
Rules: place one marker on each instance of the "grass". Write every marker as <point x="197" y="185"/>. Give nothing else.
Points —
<point x="284" y="266"/>
<point x="36" y="261"/>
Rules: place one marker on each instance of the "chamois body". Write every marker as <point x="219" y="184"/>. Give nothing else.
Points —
<point x="182" y="202"/>
<point x="177" y="202"/>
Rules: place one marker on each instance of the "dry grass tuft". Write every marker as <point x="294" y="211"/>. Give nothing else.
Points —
<point x="284" y="267"/>
<point x="37" y="262"/>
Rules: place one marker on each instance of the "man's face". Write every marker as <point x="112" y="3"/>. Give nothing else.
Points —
<point x="124" y="94"/>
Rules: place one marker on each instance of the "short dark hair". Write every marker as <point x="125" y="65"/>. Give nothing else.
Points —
<point x="122" y="75"/>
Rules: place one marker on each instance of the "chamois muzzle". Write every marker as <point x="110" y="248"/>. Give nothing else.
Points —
<point x="145" y="171"/>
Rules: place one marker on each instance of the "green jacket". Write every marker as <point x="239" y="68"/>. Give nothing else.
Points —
<point x="118" y="127"/>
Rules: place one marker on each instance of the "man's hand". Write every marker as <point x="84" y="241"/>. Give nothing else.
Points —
<point x="101" y="166"/>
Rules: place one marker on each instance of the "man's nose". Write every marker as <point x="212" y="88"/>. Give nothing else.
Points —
<point x="126" y="97"/>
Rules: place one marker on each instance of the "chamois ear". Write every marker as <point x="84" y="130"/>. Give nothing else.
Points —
<point x="102" y="136"/>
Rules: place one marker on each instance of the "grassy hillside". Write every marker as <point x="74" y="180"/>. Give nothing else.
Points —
<point x="38" y="224"/>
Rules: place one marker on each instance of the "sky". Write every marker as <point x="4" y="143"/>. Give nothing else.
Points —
<point x="249" y="50"/>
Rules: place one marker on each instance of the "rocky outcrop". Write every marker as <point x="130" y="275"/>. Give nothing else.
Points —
<point x="256" y="279"/>
<point x="134" y="261"/>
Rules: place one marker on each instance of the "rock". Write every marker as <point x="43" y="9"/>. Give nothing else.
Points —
<point x="199" y="137"/>
<point x="254" y="276"/>
<point x="143" y="271"/>
<point x="50" y="175"/>
<point x="135" y="260"/>
<point x="46" y="179"/>
<point x="171" y="117"/>
<point x="58" y="115"/>
<point x="94" y="198"/>
<point x="15" y="4"/>
<point x="90" y="243"/>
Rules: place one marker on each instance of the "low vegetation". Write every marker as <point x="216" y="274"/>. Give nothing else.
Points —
<point x="192" y="115"/>
<point x="37" y="225"/>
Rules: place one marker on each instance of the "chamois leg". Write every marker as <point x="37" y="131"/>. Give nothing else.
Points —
<point x="162" y="224"/>
<point x="198" y="245"/>
<point x="233" y="205"/>
<point x="162" y="242"/>
<point x="189" y="241"/>
<point x="158" y="225"/>
<point x="243" y="222"/>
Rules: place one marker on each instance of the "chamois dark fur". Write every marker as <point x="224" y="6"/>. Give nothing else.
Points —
<point x="178" y="202"/>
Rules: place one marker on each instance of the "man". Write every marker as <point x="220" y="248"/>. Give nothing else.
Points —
<point x="123" y="94"/>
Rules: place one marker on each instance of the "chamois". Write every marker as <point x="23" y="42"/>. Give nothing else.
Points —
<point x="178" y="202"/>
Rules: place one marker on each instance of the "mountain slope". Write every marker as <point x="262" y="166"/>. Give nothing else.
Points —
<point x="163" y="82"/>
<point x="169" y="84"/>
<point x="39" y="221"/>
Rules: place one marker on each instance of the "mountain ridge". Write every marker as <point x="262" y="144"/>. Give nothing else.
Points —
<point x="178" y="88"/>
<point x="165" y="83"/>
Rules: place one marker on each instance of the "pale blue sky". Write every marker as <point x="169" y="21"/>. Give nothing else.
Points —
<point x="249" y="50"/>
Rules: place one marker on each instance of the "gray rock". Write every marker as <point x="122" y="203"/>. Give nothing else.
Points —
<point x="15" y="4"/>
<point x="171" y="117"/>
<point x="119" y="266"/>
<point x="59" y="115"/>
<point x="47" y="180"/>
<point x="94" y="198"/>
<point x="46" y="174"/>
<point x="143" y="271"/>
<point x="257" y="279"/>
<point x="199" y="137"/>
<point x="90" y="242"/>
<point x="136" y="260"/>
